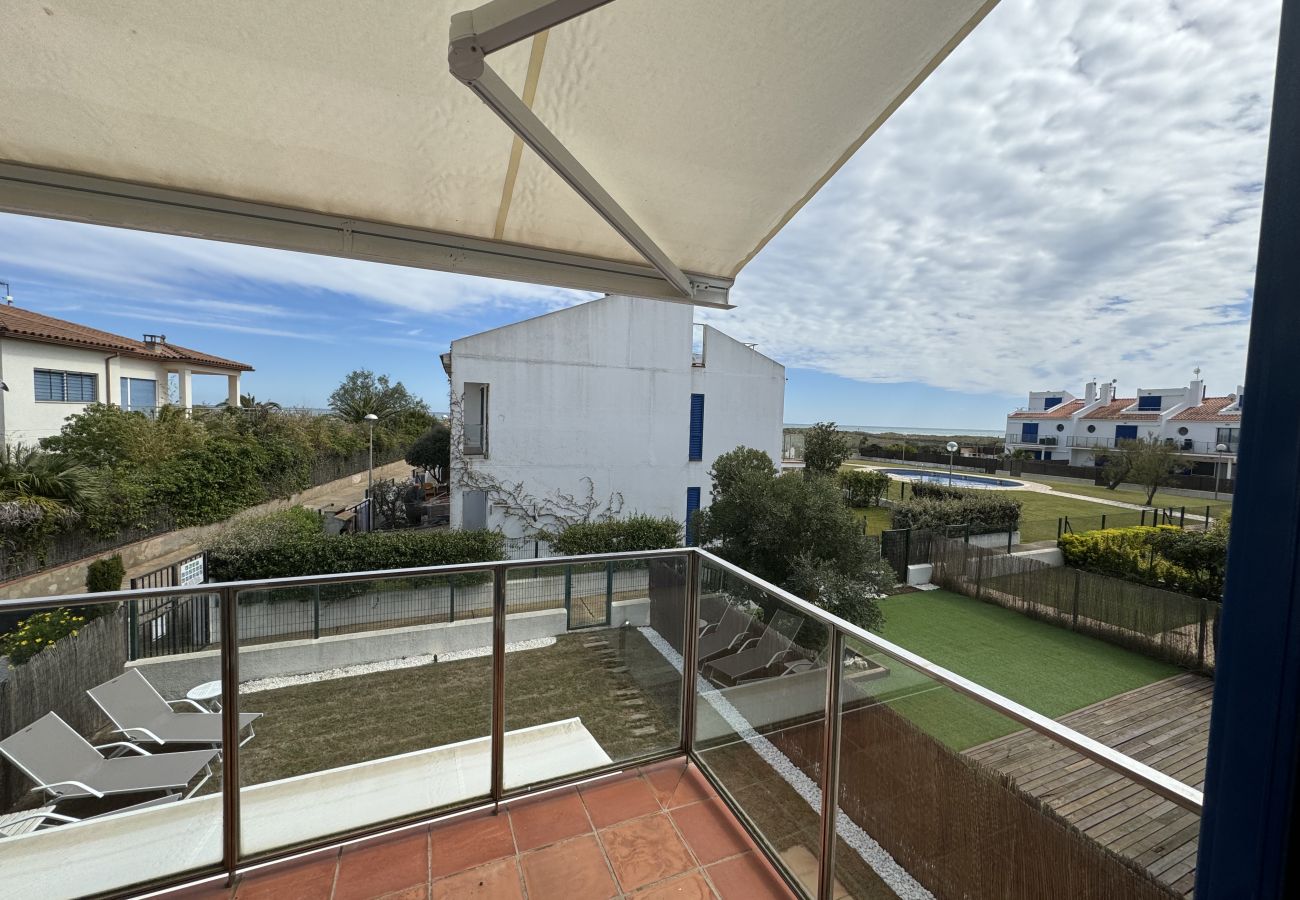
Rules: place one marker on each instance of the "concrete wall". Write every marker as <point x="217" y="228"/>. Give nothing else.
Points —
<point x="174" y="676"/>
<point x="71" y="578"/>
<point x="602" y="390"/>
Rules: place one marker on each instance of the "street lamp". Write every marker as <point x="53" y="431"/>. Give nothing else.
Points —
<point x="371" y="419"/>
<point x="952" y="448"/>
<point x="1219" y="449"/>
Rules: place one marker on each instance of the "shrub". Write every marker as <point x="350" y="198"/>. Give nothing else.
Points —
<point x="38" y="631"/>
<point x="293" y="543"/>
<point x="863" y="487"/>
<point x="1164" y="556"/>
<point x="617" y="536"/>
<point x="937" y="491"/>
<point x="105" y="574"/>
<point x="982" y="511"/>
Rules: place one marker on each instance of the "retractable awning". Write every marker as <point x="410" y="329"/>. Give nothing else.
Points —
<point x="648" y="147"/>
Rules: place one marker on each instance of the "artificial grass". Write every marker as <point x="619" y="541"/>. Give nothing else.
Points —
<point x="1051" y="670"/>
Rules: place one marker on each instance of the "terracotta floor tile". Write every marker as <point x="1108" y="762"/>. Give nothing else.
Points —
<point x="747" y="877"/>
<point x="469" y="842"/>
<point x="663" y="778"/>
<point x="711" y="831"/>
<point x="645" y="850"/>
<point x="380" y="867"/>
<point x="419" y="892"/>
<point x="495" y="881"/>
<point x="548" y="819"/>
<point x="617" y="800"/>
<point x="213" y="891"/>
<point x="570" y="870"/>
<point x="692" y="788"/>
<point x="690" y="886"/>
<point x="304" y="880"/>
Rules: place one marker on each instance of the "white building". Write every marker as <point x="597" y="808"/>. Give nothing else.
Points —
<point x="618" y="404"/>
<point x="1057" y="425"/>
<point x="52" y="369"/>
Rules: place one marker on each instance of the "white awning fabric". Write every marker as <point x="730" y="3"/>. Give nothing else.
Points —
<point x="337" y="127"/>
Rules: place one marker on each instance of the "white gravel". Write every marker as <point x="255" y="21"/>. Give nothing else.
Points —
<point x="406" y="662"/>
<point x="900" y="881"/>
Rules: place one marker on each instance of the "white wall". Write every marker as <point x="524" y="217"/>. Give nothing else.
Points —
<point x="603" y="390"/>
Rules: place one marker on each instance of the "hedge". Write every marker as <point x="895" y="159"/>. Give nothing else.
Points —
<point x="984" y="512"/>
<point x="863" y="487"/>
<point x="105" y="574"/>
<point x="931" y="490"/>
<point x="1187" y="562"/>
<point x="293" y="543"/>
<point x="617" y="536"/>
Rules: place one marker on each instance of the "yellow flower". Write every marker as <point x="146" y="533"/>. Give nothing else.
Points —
<point x="74" y="633"/>
<point x="24" y="644"/>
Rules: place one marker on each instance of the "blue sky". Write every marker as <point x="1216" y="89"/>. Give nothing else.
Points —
<point x="1073" y="194"/>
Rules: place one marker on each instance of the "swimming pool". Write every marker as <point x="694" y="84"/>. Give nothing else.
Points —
<point x="957" y="479"/>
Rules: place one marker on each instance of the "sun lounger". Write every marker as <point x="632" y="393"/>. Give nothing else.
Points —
<point x="140" y="712"/>
<point x="758" y="656"/>
<point x="731" y="631"/>
<point x="45" y="817"/>
<point x="65" y="765"/>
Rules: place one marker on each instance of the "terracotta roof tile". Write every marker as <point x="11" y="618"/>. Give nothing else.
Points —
<point x="1210" y="410"/>
<point x="1115" y="410"/>
<point x="25" y="324"/>
<point x="1060" y="411"/>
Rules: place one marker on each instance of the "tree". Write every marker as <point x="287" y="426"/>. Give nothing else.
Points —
<point x="824" y="449"/>
<point x="732" y="467"/>
<point x="863" y="487"/>
<point x="54" y="482"/>
<point x="362" y="393"/>
<point x="1149" y="463"/>
<point x="432" y="449"/>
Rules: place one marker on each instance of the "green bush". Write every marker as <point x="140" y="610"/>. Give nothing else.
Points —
<point x="38" y="631"/>
<point x="932" y="491"/>
<point x="863" y="487"/>
<point x="105" y="574"/>
<point x="617" y="536"/>
<point x="983" y="511"/>
<point x="293" y="543"/>
<point x="1187" y="562"/>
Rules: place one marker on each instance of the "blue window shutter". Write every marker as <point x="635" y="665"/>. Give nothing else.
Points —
<point x="692" y="507"/>
<point x="1049" y="402"/>
<point x="1149" y="401"/>
<point x="1126" y="432"/>
<point x="1029" y="433"/>
<point x="697" y="431"/>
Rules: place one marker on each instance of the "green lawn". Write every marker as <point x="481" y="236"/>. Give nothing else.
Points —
<point x="876" y="517"/>
<point x="1049" y="669"/>
<point x="1194" y="504"/>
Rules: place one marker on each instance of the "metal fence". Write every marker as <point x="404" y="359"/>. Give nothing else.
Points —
<point x="1188" y="519"/>
<point x="1158" y="623"/>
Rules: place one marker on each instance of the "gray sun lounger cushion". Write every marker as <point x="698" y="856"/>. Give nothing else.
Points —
<point x="757" y="657"/>
<point x="140" y="713"/>
<point x="730" y="632"/>
<point x="65" y="765"/>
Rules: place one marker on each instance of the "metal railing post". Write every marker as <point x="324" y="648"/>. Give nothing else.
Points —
<point x="230" y="824"/>
<point x="1103" y="521"/>
<point x="1182" y="517"/>
<point x="609" y="593"/>
<point x="568" y="592"/>
<point x="690" y="648"/>
<point x="451" y="598"/>
<point x="315" y="612"/>
<point x="133" y="629"/>
<point x="498" y="740"/>
<point x="830" y="766"/>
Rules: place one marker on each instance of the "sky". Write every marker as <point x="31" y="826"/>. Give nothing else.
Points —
<point x="1074" y="193"/>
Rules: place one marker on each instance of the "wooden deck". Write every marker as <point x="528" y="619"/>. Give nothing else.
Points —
<point x="1165" y="725"/>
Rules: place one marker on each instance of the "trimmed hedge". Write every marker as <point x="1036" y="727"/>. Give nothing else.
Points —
<point x="983" y="511"/>
<point x="863" y="487"/>
<point x="935" y="491"/>
<point x="617" y="536"/>
<point x="1187" y="562"/>
<point x="105" y="574"/>
<point x="293" y="543"/>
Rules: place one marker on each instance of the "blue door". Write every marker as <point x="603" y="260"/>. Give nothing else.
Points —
<point x="1029" y="433"/>
<point x="692" y="507"/>
<point x="1126" y="433"/>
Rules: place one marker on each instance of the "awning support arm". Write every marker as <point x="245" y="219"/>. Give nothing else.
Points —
<point x="509" y="21"/>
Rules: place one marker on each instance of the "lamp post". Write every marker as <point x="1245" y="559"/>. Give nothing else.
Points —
<point x="371" y="419"/>
<point x="952" y="448"/>
<point x="1219" y="449"/>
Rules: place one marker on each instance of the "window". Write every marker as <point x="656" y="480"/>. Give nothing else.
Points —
<point x="696" y="444"/>
<point x="475" y="437"/>
<point x="697" y="344"/>
<point x="1228" y="436"/>
<point x="1029" y="433"/>
<point x="692" y="507"/>
<point x="1049" y="402"/>
<point x="1149" y="402"/>
<point x="65" y="387"/>
<point x="1091" y="429"/>
<point x="1182" y="431"/>
<point x="1126" y="432"/>
<point x="139" y="394"/>
<point x="1060" y="427"/>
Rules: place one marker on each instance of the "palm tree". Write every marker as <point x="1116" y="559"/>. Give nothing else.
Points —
<point x="53" y="482"/>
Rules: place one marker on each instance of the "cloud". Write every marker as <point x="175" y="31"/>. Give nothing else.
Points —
<point x="1074" y="192"/>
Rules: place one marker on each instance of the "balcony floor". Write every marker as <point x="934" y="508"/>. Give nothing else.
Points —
<point x="657" y="832"/>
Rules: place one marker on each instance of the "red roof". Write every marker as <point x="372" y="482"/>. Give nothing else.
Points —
<point x="1060" y="411"/>
<point x="1210" y="410"/>
<point x="1115" y="410"/>
<point x="23" y="324"/>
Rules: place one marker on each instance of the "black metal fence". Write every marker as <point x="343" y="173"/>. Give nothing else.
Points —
<point x="1186" y="518"/>
<point x="1158" y="623"/>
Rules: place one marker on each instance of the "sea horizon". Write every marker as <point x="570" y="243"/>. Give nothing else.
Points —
<point x="909" y="430"/>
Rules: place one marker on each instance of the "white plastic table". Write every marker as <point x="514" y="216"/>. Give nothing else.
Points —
<point x="208" y="692"/>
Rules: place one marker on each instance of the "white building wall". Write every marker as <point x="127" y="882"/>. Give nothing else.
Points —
<point x="602" y="390"/>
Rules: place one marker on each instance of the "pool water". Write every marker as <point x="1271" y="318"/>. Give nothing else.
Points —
<point x="957" y="479"/>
